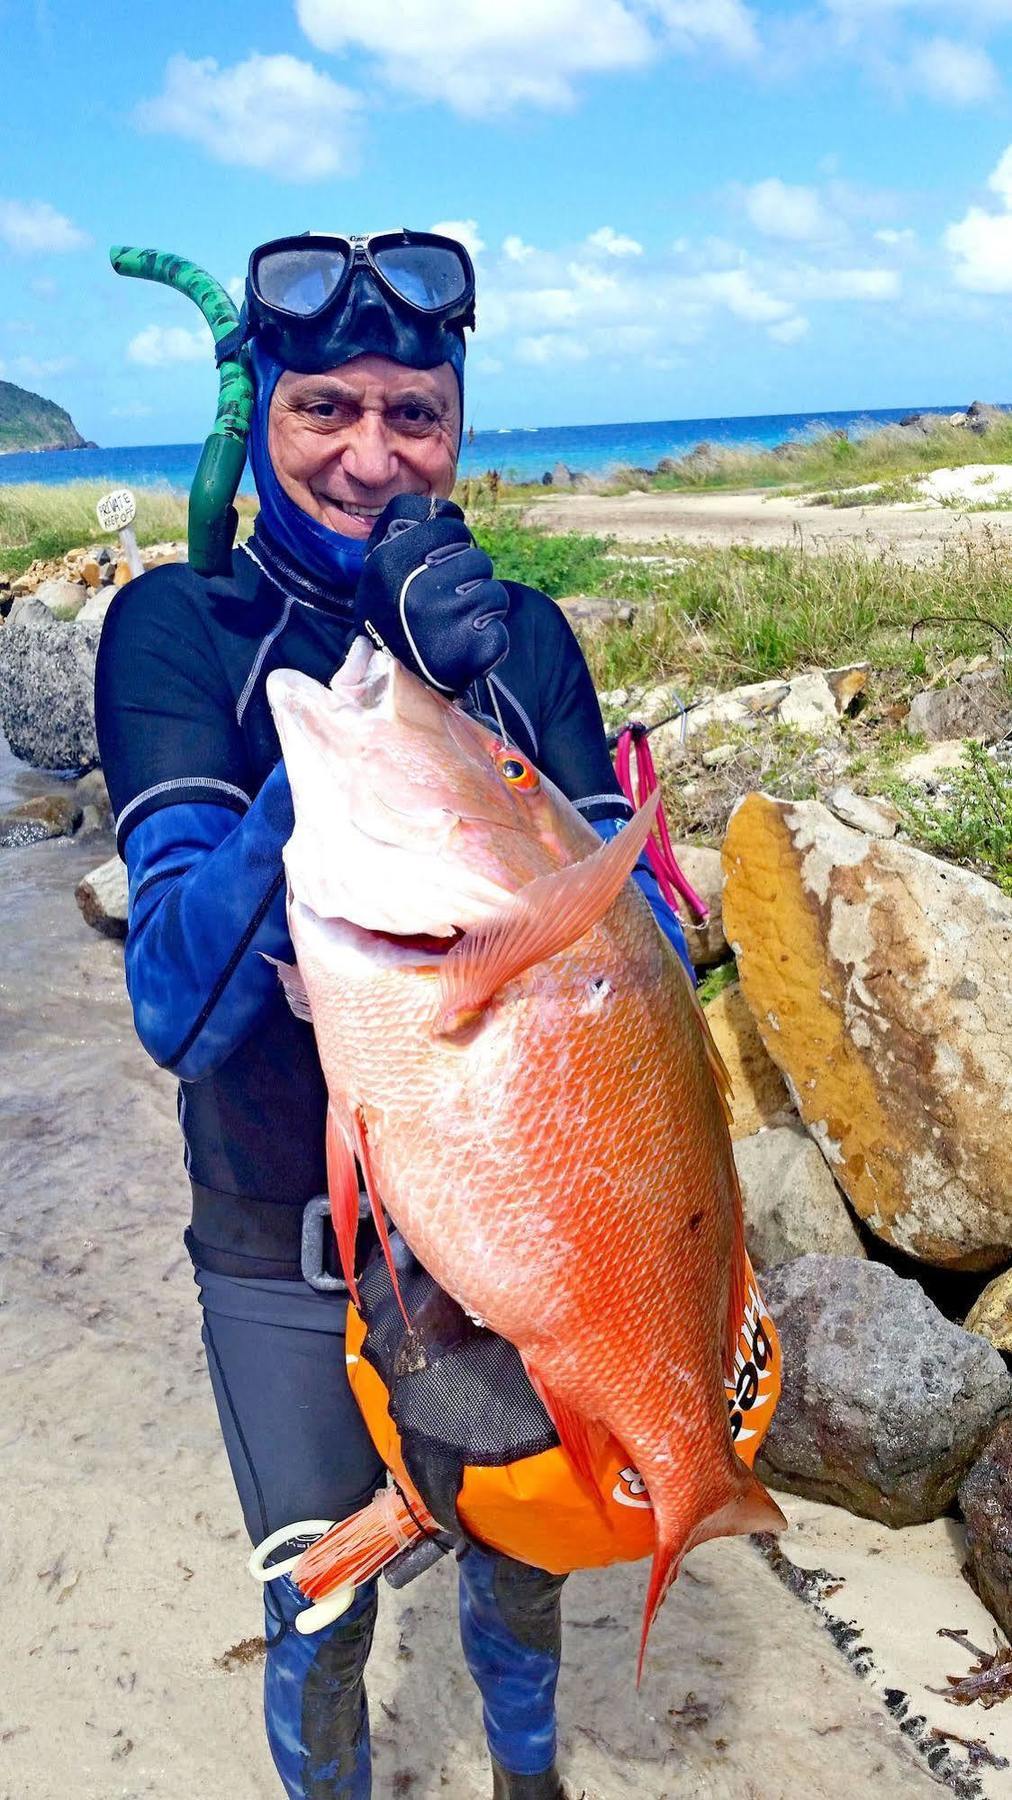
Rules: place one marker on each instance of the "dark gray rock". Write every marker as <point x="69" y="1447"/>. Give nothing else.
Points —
<point x="978" y="705"/>
<point x="47" y="677"/>
<point x="980" y="416"/>
<point x="885" y="1403"/>
<point x="985" y="1500"/>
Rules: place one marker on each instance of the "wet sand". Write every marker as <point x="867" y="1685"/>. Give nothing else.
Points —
<point x="131" y="1660"/>
<point x="912" y="533"/>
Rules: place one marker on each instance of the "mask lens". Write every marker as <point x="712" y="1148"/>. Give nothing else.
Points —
<point x="299" y="281"/>
<point x="426" y="275"/>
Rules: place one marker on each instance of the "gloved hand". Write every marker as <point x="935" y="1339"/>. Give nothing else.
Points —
<point x="427" y="593"/>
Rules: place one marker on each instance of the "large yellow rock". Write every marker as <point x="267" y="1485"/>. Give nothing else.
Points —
<point x="880" y="979"/>
<point x="759" y="1095"/>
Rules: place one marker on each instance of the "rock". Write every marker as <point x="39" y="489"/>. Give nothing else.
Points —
<point x="48" y="816"/>
<point x="848" y="685"/>
<point x="91" y="791"/>
<point x="807" y="701"/>
<point x="592" y="610"/>
<point x="123" y="574"/>
<point x="701" y="867"/>
<point x="985" y="1500"/>
<point x="980" y="416"/>
<point x="153" y="555"/>
<point x="792" y="1204"/>
<point x="879" y="980"/>
<point x="957" y="418"/>
<point x="991" y="1314"/>
<point x="979" y="705"/>
<point x="718" y="756"/>
<point x="886" y="1403"/>
<point x="561" y="476"/>
<point x="929" y="767"/>
<point x="91" y="572"/>
<point x="102" y="898"/>
<point x="872" y="814"/>
<point x="47" y="678"/>
<point x="60" y="595"/>
<point x="96" y="606"/>
<point x="759" y="1096"/>
<point x="810" y="704"/>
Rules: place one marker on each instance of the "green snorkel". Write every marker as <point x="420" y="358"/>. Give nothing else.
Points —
<point x="212" y="516"/>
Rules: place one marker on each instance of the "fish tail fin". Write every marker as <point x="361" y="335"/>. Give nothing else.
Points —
<point x="358" y="1548"/>
<point x="747" y="1508"/>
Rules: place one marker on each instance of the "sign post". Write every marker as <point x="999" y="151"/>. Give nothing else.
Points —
<point x="116" y="512"/>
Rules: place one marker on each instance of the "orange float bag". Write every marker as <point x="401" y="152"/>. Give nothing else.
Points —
<point x="472" y="1451"/>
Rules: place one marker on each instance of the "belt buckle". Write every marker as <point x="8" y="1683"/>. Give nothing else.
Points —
<point x="315" y="1220"/>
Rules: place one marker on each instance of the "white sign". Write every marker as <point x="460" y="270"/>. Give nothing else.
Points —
<point x="116" y="510"/>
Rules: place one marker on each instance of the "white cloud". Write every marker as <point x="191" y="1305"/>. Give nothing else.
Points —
<point x="515" y="250"/>
<point x="481" y="58"/>
<point x="235" y="287"/>
<point x="158" y="345"/>
<point x="957" y="74"/>
<point x="790" y="330"/>
<point x="739" y="292"/>
<point x="613" y="243"/>
<point x="273" y="113"/>
<point x="465" y="230"/>
<point x="33" y="227"/>
<point x="980" y="243"/>
<point x="896" y="239"/>
<point x="794" y="214"/>
<point x="846" y="284"/>
<point x="38" y="368"/>
<point x="550" y="348"/>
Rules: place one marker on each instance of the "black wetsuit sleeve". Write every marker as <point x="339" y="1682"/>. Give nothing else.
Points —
<point x="207" y="891"/>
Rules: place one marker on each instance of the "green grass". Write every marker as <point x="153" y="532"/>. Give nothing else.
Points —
<point x="46" y="522"/>
<point x="570" y="563"/>
<point x="741" y="614"/>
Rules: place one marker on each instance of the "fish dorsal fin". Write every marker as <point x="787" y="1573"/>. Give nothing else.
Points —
<point x="545" y="917"/>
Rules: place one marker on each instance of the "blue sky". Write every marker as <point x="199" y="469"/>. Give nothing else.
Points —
<point x="680" y="207"/>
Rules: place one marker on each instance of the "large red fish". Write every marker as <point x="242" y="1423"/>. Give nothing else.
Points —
<point x="516" y="1059"/>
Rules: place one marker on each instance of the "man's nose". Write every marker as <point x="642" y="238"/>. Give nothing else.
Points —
<point x="368" y="456"/>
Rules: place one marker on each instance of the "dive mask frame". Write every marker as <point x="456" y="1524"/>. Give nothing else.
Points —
<point x="358" y="253"/>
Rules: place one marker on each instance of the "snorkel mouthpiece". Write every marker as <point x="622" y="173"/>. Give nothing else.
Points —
<point x="212" y="518"/>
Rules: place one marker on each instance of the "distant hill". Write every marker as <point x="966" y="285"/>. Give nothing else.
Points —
<point x="28" y="422"/>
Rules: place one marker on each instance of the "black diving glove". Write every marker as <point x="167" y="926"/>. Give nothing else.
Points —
<point x="427" y="593"/>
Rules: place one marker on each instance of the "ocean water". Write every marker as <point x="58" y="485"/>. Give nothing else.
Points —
<point x="519" y="454"/>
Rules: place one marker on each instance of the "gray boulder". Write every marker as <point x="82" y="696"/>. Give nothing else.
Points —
<point x="978" y="705"/>
<point x="985" y="1500"/>
<point x="792" y="1204"/>
<point x="885" y="1404"/>
<point x="47" y="678"/>
<point x="47" y="816"/>
<point x="980" y="416"/>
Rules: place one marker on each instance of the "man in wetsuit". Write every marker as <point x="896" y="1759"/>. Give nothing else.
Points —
<point x="357" y="350"/>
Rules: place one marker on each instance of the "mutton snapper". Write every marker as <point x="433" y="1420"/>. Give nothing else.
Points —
<point x="515" y="1057"/>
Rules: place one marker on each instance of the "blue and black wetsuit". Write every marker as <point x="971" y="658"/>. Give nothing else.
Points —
<point x="203" y="811"/>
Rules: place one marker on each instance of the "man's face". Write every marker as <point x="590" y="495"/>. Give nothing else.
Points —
<point x="345" y="443"/>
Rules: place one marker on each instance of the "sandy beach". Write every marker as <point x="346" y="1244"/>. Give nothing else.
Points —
<point x="912" y="532"/>
<point x="132" y="1651"/>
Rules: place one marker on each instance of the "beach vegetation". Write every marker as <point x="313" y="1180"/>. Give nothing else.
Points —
<point x="970" y="821"/>
<point x="42" y="522"/>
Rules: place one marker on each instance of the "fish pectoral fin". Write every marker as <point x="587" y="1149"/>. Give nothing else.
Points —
<point x="342" y="1185"/>
<point x="294" y="986"/>
<point x="582" y="1439"/>
<point x="378" y="1215"/>
<point x="545" y="917"/>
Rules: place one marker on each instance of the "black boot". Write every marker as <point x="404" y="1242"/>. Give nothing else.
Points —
<point x="546" y="1786"/>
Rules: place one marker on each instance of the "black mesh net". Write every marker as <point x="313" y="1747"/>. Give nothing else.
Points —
<point x="458" y="1393"/>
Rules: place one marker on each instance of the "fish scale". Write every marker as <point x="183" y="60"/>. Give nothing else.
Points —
<point x="555" y="1153"/>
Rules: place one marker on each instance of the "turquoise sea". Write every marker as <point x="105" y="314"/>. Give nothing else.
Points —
<point x="518" y="454"/>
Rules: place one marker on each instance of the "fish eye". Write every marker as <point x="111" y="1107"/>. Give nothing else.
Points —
<point x="516" y="771"/>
